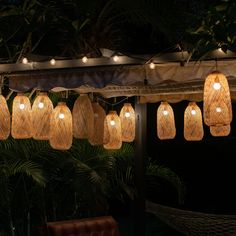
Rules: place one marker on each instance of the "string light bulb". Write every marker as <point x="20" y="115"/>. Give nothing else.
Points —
<point x="216" y="85"/>
<point x="41" y="105"/>
<point x="193" y="112"/>
<point x="22" y="106"/>
<point x="61" y="116"/>
<point x="84" y="59"/>
<point x="218" y="109"/>
<point x="115" y="58"/>
<point x="152" y="65"/>
<point x="24" y="60"/>
<point x="127" y="114"/>
<point x="52" y="61"/>
<point x="112" y="122"/>
<point x="165" y="112"/>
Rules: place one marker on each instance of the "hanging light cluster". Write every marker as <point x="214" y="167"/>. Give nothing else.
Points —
<point x="217" y="107"/>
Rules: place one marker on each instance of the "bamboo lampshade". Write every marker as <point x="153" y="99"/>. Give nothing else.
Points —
<point x="41" y="113"/>
<point x="61" y="135"/>
<point x="112" y="131"/>
<point x="127" y="118"/>
<point x="5" y="119"/>
<point x="217" y="131"/>
<point x="21" y="117"/>
<point x="193" y="128"/>
<point x="216" y="90"/>
<point x="99" y="116"/>
<point x="83" y="118"/>
<point x="165" y="122"/>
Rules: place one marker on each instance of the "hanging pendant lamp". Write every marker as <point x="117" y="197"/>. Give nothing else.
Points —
<point x="193" y="128"/>
<point x="61" y="135"/>
<point x="165" y="122"/>
<point x="41" y="113"/>
<point x="21" y="117"/>
<point x="216" y="91"/>
<point x="5" y="119"/>
<point x="127" y="118"/>
<point x="83" y="118"/>
<point x="99" y="117"/>
<point x="112" y="131"/>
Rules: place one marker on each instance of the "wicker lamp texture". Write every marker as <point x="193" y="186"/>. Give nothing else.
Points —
<point x="99" y="116"/>
<point x="112" y="131"/>
<point x="21" y="117"/>
<point x="83" y="118"/>
<point x="61" y="135"/>
<point x="216" y="91"/>
<point x="165" y="122"/>
<point x="127" y="118"/>
<point x="5" y="119"/>
<point x="41" y="113"/>
<point x="193" y="127"/>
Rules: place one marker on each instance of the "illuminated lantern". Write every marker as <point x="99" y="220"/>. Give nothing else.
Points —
<point x="5" y="119"/>
<point x="127" y="118"/>
<point x="61" y="135"/>
<point x="21" y="117"/>
<point x="41" y="113"/>
<point x="83" y="118"/>
<point x="193" y="128"/>
<point x="112" y="131"/>
<point x="165" y="122"/>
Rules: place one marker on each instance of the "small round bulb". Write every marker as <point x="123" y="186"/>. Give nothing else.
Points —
<point x="115" y="58"/>
<point x="112" y="122"/>
<point x="22" y="106"/>
<point x="61" y="116"/>
<point x="165" y="112"/>
<point x="218" y="109"/>
<point x="193" y="112"/>
<point x="152" y="65"/>
<point x="41" y="105"/>
<point x="52" y="61"/>
<point x="24" y="60"/>
<point x="84" y="59"/>
<point x="216" y="85"/>
<point x="127" y="114"/>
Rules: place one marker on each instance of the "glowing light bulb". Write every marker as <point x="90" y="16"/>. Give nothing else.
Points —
<point x="112" y="122"/>
<point x="41" y="105"/>
<point x="84" y="59"/>
<point x="24" y="60"/>
<point x="115" y="58"/>
<point x="216" y="85"/>
<point x="152" y="65"/>
<point x="218" y="109"/>
<point x="61" y="116"/>
<point x="127" y="114"/>
<point x="52" y="61"/>
<point x="165" y="113"/>
<point x="22" y="106"/>
<point x="193" y="112"/>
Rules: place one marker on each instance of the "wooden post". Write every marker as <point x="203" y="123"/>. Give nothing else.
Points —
<point x="139" y="168"/>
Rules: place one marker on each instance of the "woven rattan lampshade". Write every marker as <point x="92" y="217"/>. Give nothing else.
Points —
<point x="99" y="117"/>
<point x="41" y="113"/>
<point x="218" y="131"/>
<point x="83" y="118"/>
<point x="193" y="128"/>
<point x="21" y="117"/>
<point x="5" y="119"/>
<point x="216" y="90"/>
<point x="61" y="135"/>
<point x="127" y="118"/>
<point x="165" y="122"/>
<point x="112" y="131"/>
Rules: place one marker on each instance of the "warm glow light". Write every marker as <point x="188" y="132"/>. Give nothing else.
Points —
<point x="115" y="58"/>
<point x="52" y="61"/>
<point x="165" y="113"/>
<point x="216" y="85"/>
<point x="112" y="122"/>
<point x="152" y="65"/>
<point x="84" y="59"/>
<point x="218" y="109"/>
<point x="193" y="112"/>
<point x="22" y="106"/>
<point x="61" y="116"/>
<point x="127" y="114"/>
<point x="24" y="60"/>
<point x="41" y="105"/>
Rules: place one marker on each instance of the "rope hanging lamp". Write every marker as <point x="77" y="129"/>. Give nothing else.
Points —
<point x="21" y="117"/>
<point x="5" y="119"/>
<point x="193" y="127"/>
<point x="41" y="113"/>
<point x="165" y="122"/>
